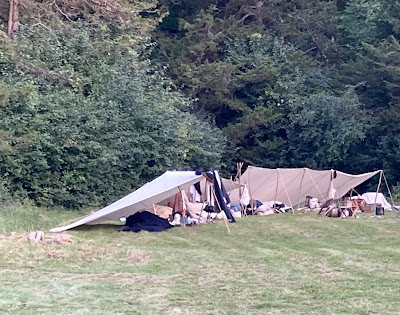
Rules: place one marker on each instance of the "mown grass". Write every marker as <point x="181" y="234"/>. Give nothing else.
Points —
<point x="282" y="264"/>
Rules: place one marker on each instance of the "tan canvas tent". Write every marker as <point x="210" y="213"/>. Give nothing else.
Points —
<point x="168" y="184"/>
<point x="159" y="191"/>
<point x="292" y="185"/>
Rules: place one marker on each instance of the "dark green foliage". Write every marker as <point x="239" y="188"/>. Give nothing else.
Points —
<point x="277" y="76"/>
<point x="6" y="199"/>
<point x="324" y="128"/>
<point x="84" y="121"/>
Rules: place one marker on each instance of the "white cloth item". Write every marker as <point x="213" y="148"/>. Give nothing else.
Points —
<point x="220" y="215"/>
<point x="369" y="198"/>
<point x="271" y="203"/>
<point x="314" y="203"/>
<point x="177" y="220"/>
<point x="287" y="209"/>
<point x="185" y="200"/>
<point x="236" y="214"/>
<point x="196" y="197"/>
<point x="245" y="200"/>
<point x="267" y="212"/>
<point x="264" y="209"/>
<point x="209" y="194"/>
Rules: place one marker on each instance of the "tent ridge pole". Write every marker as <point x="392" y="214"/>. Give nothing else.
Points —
<point x="377" y="189"/>
<point x="287" y="194"/>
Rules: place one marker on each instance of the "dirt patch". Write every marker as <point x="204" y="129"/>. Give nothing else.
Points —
<point x="328" y="271"/>
<point x="136" y="257"/>
<point x="55" y="254"/>
<point x="62" y="238"/>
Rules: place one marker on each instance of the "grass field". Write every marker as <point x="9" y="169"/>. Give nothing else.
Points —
<point x="281" y="264"/>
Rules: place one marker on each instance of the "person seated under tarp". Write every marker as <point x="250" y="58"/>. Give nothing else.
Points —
<point x="253" y="205"/>
<point x="180" y="211"/>
<point x="272" y="207"/>
<point x="145" y="221"/>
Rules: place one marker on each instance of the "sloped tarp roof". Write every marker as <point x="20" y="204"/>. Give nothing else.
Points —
<point x="292" y="185"/>
<point x="168" y="184"/>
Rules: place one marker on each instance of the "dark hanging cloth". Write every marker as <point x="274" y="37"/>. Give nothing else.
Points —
<point x="220" y="198"/>
<point x="146" y="221"/>
<point x="223" y="190"/>
<point x="197" y="186"/>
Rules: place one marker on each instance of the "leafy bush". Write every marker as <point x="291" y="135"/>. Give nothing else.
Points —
<point x="85" y="122"/>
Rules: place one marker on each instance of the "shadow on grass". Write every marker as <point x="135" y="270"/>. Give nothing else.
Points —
<point x="103" y="227"/>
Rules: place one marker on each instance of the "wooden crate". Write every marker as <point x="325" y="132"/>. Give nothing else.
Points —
<point x="365" y="208"/>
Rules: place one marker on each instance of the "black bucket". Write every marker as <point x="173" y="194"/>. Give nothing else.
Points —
<point x="379" y="210"/>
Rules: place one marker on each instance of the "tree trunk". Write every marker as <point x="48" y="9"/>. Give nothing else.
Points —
<point x="13" y="16"/>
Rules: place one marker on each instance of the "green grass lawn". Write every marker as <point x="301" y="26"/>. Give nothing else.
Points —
<point x="281" y="264"/>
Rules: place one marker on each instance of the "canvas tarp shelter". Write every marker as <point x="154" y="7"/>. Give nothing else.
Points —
<point x="161" y="188"/>
<point x="292" y="185"/>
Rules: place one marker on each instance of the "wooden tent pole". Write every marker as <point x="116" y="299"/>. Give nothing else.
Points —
<point x="377" y="189"/>
<point x="287" y="194"/>
<point x="276" y="188"/>
<point x="239" y="166"/>
<point x="387" y="186"/>
<point x="204" y="202"/>
<point x="301" y="184"/>
<point x="315" y="184"/>
<point x="249" y="189"/>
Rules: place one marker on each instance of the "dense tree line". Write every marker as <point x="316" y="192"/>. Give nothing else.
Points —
<point x="98" y="97"/>
<point x="292" y="83"/>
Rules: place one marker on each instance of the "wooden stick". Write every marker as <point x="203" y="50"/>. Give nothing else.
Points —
<point x="238" y="176"/>
<point x="301" y="184"/>
<point x="276" y="189"/>
<point x="287" y="194"/>
<point x="249" y="190"/>
<point x="377" y="189"/>
<point x="387" y="186"/>
<point x="312" y="179"/>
